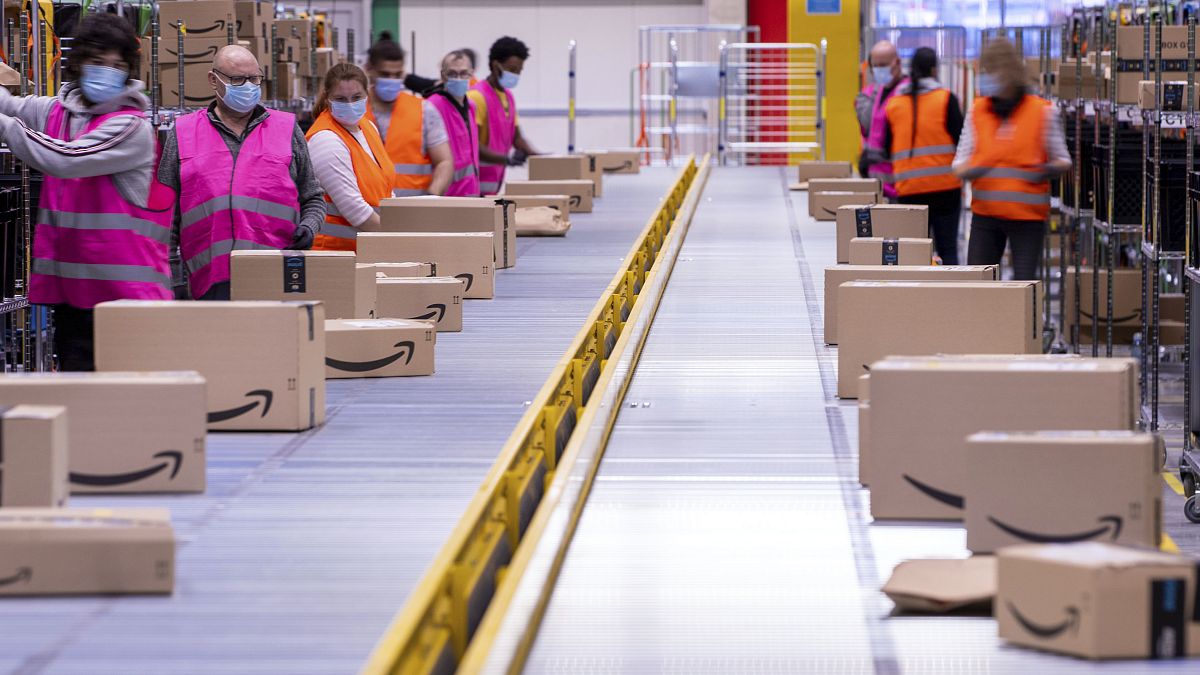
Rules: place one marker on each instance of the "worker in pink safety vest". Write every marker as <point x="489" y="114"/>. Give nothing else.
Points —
<point x="243" y="174"/>
<point x="871" y="109"/>
<point x="500" y="141"/>
<point x="458" y="114"/>
<point x="103" y="226"/>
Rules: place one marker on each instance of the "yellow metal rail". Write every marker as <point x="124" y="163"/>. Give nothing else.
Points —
<point x="434" y="629"/>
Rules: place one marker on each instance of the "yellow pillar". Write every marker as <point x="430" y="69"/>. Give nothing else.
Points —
<point x="841" y="31"/>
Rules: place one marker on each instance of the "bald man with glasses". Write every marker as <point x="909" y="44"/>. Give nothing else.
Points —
<point x="243" y="176"/>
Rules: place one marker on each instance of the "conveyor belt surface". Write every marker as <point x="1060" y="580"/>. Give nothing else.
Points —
<point x="726" y="532"/>
<point x="306" y="545"/>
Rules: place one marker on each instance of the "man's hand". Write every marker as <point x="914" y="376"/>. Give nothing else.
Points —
<point x="302" y="239"/>
<point x="516" y="158"/>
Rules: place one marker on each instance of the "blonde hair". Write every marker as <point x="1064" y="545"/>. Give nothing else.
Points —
<point x="1000" y="58"/>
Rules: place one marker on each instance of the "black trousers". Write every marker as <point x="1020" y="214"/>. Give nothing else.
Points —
<point x="945" y="210"/>
<point x="218" y="291"/>
<point x="990" y="235"/>
<point x="73" y="338"/>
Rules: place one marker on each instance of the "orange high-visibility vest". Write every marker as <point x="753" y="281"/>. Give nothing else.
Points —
<point x="405" y="135"/>
<point x="921" y="165"/>
<point x="375" y="180"/>
<point x="1012" y="151"/>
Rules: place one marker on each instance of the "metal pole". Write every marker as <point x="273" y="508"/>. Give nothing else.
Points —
<point x="1187" y="236"/>
<point x="155" y="90"/>
<point x="571" y="97"/>
<point x="672" y="111"/>
<point x="821" y="75"/>
<point x="275" y="62"/>
<point x="1156" y="247"/>
<point x="1114" y="247"/>
<point x="723" y="103"/>
<point x="350" y="45"/>
<point x="26" y="231"/>
<point x="182" y="30"/>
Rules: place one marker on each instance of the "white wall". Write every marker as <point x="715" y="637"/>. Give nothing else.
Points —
<point x="606" y="32"/>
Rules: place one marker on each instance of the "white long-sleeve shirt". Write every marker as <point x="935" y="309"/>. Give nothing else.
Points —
<point x="335" y="170"/>
<point x="1052" y="138"/>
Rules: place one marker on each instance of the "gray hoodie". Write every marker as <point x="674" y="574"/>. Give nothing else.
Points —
<point x="123" y="146"/>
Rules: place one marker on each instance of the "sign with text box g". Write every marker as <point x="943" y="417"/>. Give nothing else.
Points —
<point x="823" y="6"/>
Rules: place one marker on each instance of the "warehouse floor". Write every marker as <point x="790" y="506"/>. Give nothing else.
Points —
<point x="726" y="531"/>
<point x="306" y="545"/>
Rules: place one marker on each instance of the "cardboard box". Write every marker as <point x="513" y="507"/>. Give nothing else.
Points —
<point x="825" y="205"/>
<point x="882" y="251"/>
<point x="86" y="551"/>
<point x="1127" y="304"/>
<point x="327" y="58"/>
<point x="578" y="192"/>
<point x="923" y="409"/>
<point x="465" y="255"/>
<point x="331" y="277"/>
<point x="454" y="214"/>
<point x="33" y="456"/>
<point x="845" y="185"/>
<point x="262" y="51"/>
<point x="1097" y="600"/>
<point x="1061" y="487"/>
<point x="198" y="51"/>
<point x="300" y="29"/>
<point x="434" y="299"/>
<point x="403" y="270"/>
<point x="288" y="84"/>
<point x="595" y="174"/>
<point x="1131" y="45"/>
<point x="618" y="161"/>
<point x="132" y="432"/>
<point x="378" y="348"/>
<point x="941" y="585"/>
<point x="836" y="276"/>
<point x="877" y="319"/>
<point x="264" y="361"/>
<point x="252" y="19"/>
<point x="290" y="50"/>
<point x="198" y="92"/>
<point x="806" y="171"/>
<point x="203" y="18"/>
<point x="1129" y="84"/>
<point x="1170" y="306"/>
<point x="890" y="221"/>
<point x="1173" y="97"/>
<point x="1089" y="87"/>
<point x="559" y="167"/>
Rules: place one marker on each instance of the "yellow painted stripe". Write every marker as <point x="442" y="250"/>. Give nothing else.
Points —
<point x="1168" y="544"/>
<point x="1173" y="481"/>
<point x="444" y="602"/>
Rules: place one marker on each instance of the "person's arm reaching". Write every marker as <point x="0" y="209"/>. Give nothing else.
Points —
<point x="335" y="170"/>
<point x="311" y="197"/>
<point x="489" y="156"/>
<point x="115" y="146"/>
<point x="443" y="168"/>
<point x="521" y="144"/>
<point x="32" y="110"/>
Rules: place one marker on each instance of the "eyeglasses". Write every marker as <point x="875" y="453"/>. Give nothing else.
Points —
<point x="239" y="80"/>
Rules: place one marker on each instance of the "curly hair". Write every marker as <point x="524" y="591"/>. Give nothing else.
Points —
<point x="507" y="47"/>
<point x="99" y="34"/>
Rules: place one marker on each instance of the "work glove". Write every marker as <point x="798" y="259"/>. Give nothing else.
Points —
<point x="516" y="158"/>
<point x="302" y="239"/>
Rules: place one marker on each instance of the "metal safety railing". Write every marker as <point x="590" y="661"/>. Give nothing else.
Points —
<point x="772" y="102"/>
<point x="437" y="629"/>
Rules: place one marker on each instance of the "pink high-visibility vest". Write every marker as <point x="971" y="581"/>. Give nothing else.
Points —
<point x="90" y="244"/>
<point x="875" y="137"/>
<point x="464" y="145"/>
<point x="502" y="129"/>
<point x="227" y="206"/>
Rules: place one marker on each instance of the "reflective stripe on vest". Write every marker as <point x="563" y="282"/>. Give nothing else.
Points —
<point x="252" y="204"/>
<point x="409" y="192"/>
<point x="1010" y="152"/>
<point x="924" y="173"/>
<point x="205" y="257"/>
<point x="373" y="174"/>
<point x="415" y="169"/>
<point x="339" y="231"/>
<point x="105" y="221"/>
<point x="925" y="152"/>
<point x="91" y="245"/>
<point x="100" y="272"/>
<point x="464" y="172"/>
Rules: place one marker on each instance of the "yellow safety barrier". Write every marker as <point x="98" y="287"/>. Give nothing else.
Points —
<point x="434" y="629"/>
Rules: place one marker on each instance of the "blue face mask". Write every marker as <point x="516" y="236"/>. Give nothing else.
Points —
<point x="348" y="113"/>
<point x="387" y="88"/>
<point x="882" y="75"/>
<point x="509" y="80"/>
<point x="457" y="87"/>
<point x="101" y="84"/>
<point x="987" y="85"/>
<point x="242" y="98"/>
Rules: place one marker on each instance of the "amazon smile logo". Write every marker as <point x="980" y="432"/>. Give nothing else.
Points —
<point x="219" y="24"/>
<point x="265" y="397"/>
<point x="948" y="498"/>
<point x="1118" y="319"/>
<point x="469" y="278"/>
<point x="171" y="458"/>
<point x="576" y="200"/>
<point x="23" y="574"/>
<point x="624" y="166"/>
<point x="206" y="54"/>
<point x="439" y="311"/>
<point x="405" y="348"/>
<point x="1046" y="632"/>
<point x="1110" y="524"/>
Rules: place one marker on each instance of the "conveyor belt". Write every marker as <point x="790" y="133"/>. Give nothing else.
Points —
<point x="306" y="545"/>
<point x="725" y="531"/>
